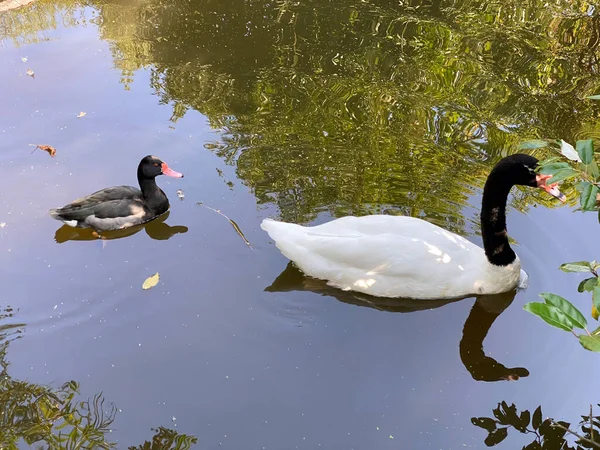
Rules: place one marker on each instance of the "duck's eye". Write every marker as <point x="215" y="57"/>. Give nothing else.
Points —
<point x="155" y="164"/>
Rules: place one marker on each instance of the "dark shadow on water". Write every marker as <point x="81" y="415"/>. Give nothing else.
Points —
<point x="156" y="229"/>
<point x="485" y="311"/>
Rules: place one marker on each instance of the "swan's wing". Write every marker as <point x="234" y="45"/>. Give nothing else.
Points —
<point x="386" y="256"/>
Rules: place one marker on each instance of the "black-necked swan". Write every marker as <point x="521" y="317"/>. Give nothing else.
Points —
<point x="120" y="207"/>
<point x="398" y="256"/>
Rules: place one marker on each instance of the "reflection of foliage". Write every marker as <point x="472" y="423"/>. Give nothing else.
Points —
<point x="27" y="25"/>
<point x="346" y="106"/>
<point x="41" y="414"/>
<point x="549" y="434"/>
<point x="38" y="413"/>
<point x="165" y="439"/>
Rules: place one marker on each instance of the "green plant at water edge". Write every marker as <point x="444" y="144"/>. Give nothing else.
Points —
<point x="578" y="164"/>
<point x="549" y="434"/>
<point x="560" y="313"/>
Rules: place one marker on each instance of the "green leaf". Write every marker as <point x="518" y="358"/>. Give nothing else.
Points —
<point x="594" y="97"/>
<point x="577" y="319"/>
<point x="596" y="332"/>
<point x="550" y="314"/>
<point x="496" y="436"/>
<point x="536" y="421"/>
<point x="591" y="343"/>
<point x="578" y="266"/>
<point x="563" y="174"/>
<point x="592" y="169"/>
<point x="596" y="297"/>
<point x="587" y="199"/>
<point x="585" y="150"/>
<point x="552" y="168"/>
<point x="534" y="143"/>
<point x="588" y="284"/>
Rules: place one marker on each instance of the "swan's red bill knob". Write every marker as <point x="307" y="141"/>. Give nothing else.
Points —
<point x="551" y="189"/>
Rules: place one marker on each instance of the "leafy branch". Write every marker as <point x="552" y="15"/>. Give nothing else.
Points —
<point x="560" y="313"/>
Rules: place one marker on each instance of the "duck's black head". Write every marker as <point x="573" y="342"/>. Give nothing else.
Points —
<point x="521" y="169"/>
<point x="151" y="167"/>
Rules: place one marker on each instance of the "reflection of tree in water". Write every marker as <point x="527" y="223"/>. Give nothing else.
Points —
<point x="346" y="106"/>
<point x="54" y="417"/>
<point x="352" y="106"/>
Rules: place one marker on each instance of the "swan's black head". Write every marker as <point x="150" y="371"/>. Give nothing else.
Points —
<point x="151" y="167"/>
<point x="521" y="169"/>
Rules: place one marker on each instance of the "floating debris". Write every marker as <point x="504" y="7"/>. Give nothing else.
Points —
<point x="47" y="148"/>
<point x="233" y="224"/>
<point x="2" y="225"/>
<point x="30" y="72"/>
<point x="24" y="58"/>
<point x="81" y="114"/>
<point x="180" y="194"/>
<point x="151" y="281"/>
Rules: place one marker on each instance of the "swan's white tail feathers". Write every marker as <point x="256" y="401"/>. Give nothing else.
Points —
<point x="292" y="240"/>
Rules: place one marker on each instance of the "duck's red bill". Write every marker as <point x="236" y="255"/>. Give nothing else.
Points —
<point x="166" y="170"/>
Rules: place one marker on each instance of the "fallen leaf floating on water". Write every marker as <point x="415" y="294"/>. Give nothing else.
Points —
<point x="233" y="224"/>
<point x="47" y="148"/>
<point x="81" y="114"/>
<point x="30" y="72"/>
<point x="151" y="281"/>
<point x="180" y="194"/>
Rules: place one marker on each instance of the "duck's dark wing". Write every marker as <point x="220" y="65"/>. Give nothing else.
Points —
<point x="107" y="203"/>
<point x="108" y="194"/>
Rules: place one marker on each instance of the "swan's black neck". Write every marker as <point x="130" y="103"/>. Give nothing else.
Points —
<point x="155" y="199"/>
<point x="493" y="220"/>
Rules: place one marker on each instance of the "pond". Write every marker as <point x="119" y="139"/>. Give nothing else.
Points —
<point x="302" y="111"/>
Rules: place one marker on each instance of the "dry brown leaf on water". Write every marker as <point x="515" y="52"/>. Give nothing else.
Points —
<point x="47" y="148"/>
<point x="30" y="72"/>
<point x="81" y="114"/>
<point x="151" y="281"/>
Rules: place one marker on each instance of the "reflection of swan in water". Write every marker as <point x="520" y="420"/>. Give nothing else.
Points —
<point x="483" y="314"/>
<point x="156" y="229"/>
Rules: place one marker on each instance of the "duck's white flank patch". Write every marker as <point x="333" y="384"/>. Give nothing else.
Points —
<point x="71" y="223"/>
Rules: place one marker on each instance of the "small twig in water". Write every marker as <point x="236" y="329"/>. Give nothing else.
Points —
<point x="581" y="438"/>
<point x="233" y="224"/>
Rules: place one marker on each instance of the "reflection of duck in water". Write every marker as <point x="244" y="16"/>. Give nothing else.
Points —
<point x="156" y="229"/>
<point x="397" y="256"/>
<point x="483" y="314"/>
<point x="120" y="207"/>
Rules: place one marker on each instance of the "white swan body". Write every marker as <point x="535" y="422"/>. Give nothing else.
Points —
<point x="392" y="256"/>
<point x="395" y="256"/>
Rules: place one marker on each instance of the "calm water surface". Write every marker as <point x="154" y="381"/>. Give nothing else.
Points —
<point x="303" y="111"/>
